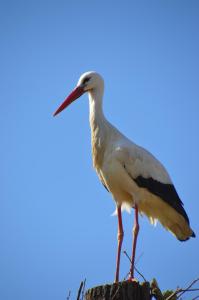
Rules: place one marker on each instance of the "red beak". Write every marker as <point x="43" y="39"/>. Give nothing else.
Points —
<point x="76" y="93"/>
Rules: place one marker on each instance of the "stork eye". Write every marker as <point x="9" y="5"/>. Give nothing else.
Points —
<point x="86" y="80"/>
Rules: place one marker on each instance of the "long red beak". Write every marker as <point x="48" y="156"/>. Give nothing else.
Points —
<point x="76" y="93"/>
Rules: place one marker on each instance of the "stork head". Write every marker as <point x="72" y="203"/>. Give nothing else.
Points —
<point x="87" y="82"/>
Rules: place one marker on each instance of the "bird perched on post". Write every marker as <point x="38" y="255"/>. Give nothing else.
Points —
<point x="134" y="177"/>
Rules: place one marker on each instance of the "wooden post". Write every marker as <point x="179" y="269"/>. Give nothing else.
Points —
<point x="125" y="290"/>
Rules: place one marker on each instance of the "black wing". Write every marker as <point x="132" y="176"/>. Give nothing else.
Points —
<point x="166" y="192"/>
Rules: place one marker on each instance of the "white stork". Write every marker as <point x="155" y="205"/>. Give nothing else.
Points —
<point x="134" y="177"/>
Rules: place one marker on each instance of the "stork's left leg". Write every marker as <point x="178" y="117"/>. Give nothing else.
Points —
<point x="120" y="239"/>
<point x="135" y="235"/>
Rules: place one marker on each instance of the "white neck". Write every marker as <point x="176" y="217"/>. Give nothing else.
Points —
<point x="98" y="126"/>
<point x="95" y="106"/>
<point x="101" y="130"/>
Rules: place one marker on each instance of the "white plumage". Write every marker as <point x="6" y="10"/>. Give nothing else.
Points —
<point x="133" y="176"/>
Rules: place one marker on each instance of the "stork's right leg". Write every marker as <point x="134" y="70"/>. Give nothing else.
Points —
<point x="135" y="233"/>
<point x="120" y="239"/>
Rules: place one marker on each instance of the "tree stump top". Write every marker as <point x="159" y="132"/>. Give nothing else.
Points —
<point x="125" y="290"/>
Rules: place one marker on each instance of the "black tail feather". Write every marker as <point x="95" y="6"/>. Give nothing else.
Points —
<point x="193" y="235"/>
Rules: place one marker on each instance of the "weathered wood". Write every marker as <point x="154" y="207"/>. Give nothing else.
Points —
<point x="125" y="290"/>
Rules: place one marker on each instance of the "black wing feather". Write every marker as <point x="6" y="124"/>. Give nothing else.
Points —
<point x="166" y="192"/>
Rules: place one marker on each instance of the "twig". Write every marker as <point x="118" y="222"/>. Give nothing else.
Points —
<point x="134" y="266"/>
<point x="68" y="297"/>
<point x="79" y="291"/>
<point x="115" y="293"/>
<point x="139" y="257"/>
<point x="181" y="291"/>
<point x="197" y="297"/>
<point x="174" y="293"/>
<point x="188" y="288"/>
<point x="83" y="289"/>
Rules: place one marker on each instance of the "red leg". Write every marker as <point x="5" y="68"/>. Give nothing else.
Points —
<point x="120" y="239"/>
<point x="135" y="235"/>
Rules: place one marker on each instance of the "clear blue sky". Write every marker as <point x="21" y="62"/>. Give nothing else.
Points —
<point x="55" y="216"/>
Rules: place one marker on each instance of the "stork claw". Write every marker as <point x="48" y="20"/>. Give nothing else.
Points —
<point x="131" y="279"/>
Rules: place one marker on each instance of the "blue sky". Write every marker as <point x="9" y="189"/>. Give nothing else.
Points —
<point x="55" y="217"/>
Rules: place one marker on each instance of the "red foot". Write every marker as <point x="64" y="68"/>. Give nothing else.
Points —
<point x="131" y="279"/>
